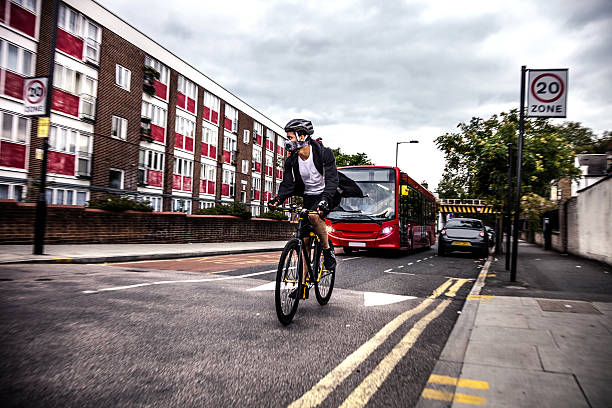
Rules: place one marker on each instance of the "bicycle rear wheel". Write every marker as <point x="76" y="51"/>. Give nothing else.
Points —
<point x="288" y="282"/>
<point x="324" y="279"/>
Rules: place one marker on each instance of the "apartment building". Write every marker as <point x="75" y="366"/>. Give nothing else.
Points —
<point x="127" y="117"/>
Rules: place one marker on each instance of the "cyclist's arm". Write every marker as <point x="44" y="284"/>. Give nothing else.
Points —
<point x="331" y="175"/>
<point x="286" y="187"/>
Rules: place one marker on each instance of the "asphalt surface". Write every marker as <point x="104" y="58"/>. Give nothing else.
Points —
<point x="199" y="332"/>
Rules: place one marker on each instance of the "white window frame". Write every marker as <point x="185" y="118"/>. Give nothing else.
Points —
<point x="122" y="182"/>
<point x="154" y="201"/>
<point x="231" y="113"/>
<point x="159" y="67"/>
<point x="183" y="167"/>
<point x="11" y="193"/>
<point x="63" y="20"/>
<point x="157" y="114"/>
<point x="53" y="194"/>
<point x="122" y="77"/>
<point x="246" y="136"/>
<point x="245" y="167"/>
<point x="19" y="69"/>
<point x="213" y="103"/>
<point x="15" y="134"/>
<point x="119" y="125"/>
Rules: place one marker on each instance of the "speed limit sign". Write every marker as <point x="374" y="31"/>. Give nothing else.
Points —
<point x="35" y="96"/>
<point x="547" y="93"/>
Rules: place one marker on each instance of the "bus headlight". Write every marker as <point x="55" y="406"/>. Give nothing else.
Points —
<point x="386" y="230"/>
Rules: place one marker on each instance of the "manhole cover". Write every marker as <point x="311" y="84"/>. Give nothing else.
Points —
<point x="566" y="306"/>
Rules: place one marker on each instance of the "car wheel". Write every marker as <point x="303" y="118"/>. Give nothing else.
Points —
<point x="440" y="250"/>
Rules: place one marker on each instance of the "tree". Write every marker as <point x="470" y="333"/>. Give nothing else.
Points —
<point x="358" y="159"/>
<point x="476" y="157"/>
<point x="583" y="140"/>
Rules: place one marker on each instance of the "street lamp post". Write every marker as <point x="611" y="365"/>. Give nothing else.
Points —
<point x="397" y="145"/>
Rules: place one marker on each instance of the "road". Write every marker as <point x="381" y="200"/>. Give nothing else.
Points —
<point x="203" y="332"/>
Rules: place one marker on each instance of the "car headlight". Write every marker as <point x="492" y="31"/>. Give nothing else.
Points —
<point x="329" y="229"/>
<point x="386" y="230"/>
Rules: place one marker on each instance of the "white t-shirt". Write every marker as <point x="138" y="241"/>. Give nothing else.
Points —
<point x="313" y="180"/>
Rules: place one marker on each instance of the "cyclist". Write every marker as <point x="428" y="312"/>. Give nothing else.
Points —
<point x="310" y="172"/>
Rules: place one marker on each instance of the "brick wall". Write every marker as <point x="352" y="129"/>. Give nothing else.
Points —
<point x="572" y="228"/>
<point x="77" y="225"/>
<point x="245" y="152"/>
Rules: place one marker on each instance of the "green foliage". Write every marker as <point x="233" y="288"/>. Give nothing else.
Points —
<point x="583" y="140"/>
<point x="235" y="209"/>
<point x="274" y="215"/>
<point x="116" y="203"/>
<point x="532" y="208"/>
<point x="476" y="157"/>
<point x="358" y="159"/>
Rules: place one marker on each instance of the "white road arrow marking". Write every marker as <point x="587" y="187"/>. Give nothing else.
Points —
<point x="380" y="299"/>
<point x="265" y="286"/>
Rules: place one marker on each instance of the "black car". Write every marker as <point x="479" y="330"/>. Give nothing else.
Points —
<point x="464" y="234"/>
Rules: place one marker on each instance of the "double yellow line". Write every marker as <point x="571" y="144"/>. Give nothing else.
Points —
<point x="368" y="387"/>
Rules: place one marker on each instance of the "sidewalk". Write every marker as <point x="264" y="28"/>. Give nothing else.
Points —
<point x="524" y="344"/>
<point x="99" y="253"/>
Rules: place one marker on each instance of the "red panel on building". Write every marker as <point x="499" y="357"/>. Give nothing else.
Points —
<point x="225" y="189"/>
<point x="178" y="140"/>
<point x="187" y="183"/>
<point x="213" y="152"/>
<point x="203" y="186"/>
<point x="65" y="102"/>
<point x="228" y="124"/>
<point x="191" y="105"/>
<point x="258" y="139"/>
<point x="189" y="144"/>
<point x="204" y="149"/>
<point x="154" y="178"/>
<point x="2" y="10"/>
<point x="257" y="194"/>
<point x="158" y="133"/>
<point x="214" y="117"/>
<point x="180" y="100"/>
<point x="206" y="113"/>
<point x="258" y="167"/>
<point x="22" y="20"/>
<point x="61" y="163"/>
<point x="268" y="171"/>
<point x="69" y="44"/>
<point x="161" y="90"/>
<point x="12" y="155"/>
<point x="176" y="181"/>
<point x="211" y="187"/>
<point x="226" y="156"/>
<point x="13" y="85"/>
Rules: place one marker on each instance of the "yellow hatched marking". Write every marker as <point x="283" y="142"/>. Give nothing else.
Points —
<point x="62" y="259"/>
<point x="368" y="387"/>
<point x="320" y="391"/>
<point x="449" y="396"/>
<point x="453" y="290"/>
<point x="491" y="274"/>
<point x="459" y="382"/>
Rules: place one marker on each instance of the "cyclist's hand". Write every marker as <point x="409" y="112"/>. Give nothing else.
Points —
<point x="323" y="207"/>
<point x="272" y="204"/>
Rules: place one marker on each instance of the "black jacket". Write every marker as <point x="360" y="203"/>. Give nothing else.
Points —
<point x="324" y="161"/>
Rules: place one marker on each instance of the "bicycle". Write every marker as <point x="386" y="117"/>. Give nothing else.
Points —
<point x="289" y="288"/>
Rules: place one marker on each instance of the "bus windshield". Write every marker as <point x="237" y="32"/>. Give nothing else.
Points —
<point x="378" y="186"/>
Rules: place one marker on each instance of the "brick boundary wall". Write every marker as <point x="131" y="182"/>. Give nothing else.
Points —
<point x="79" y="225"/>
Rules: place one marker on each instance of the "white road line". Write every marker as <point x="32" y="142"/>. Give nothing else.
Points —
<point x="349" y="259"/>
<point x="388" y="270"/>
<point x="401" y="266"/>
<point x="176" y="281"/>
<point x="400" y="273"/>
<point x="410" y="263"/>
<point x="419" y="260"/>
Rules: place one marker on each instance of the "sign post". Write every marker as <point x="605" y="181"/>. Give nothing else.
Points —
<point x="37" y="102"/>
<point x="546" y="98"/>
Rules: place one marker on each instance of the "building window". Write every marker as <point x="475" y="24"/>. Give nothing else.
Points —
<point x="187" y="88"/>
<point x="119" y="128"/>
<point x="26" y="4"/>
<point x="245" y="167"/>
<point x="11" y="192"/>
<point x="256" y="162"/>
<point x="211" y="107"/>
<point x="63" y="196"/>
<point x="150" y="167"/>
<point x="181" y="205"/>
<point x="159" y="67"/>
<point x="18" y="60"/>
<point x="229" y="180"/>
<point x="257" y="133"/>
<point x="155" y="202"/>
<point x="115" y="178"/>
<point x="231" y="118"/>
<point x="246" y="136"/>
<point x="14" y="128"/>
<point x="270" y="140"/>
<point x="122" y="77"/>
<point x="155" y="113"/>
<point x="255" y="210"/>
<point x="255" y="188"/>
<point x="68" y="19"/>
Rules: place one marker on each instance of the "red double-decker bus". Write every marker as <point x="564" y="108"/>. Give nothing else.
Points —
<point x="396" y="212"/>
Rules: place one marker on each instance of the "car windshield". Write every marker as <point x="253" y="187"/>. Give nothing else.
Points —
<point x="378" y="186"/>
<point x="458" y="223"/>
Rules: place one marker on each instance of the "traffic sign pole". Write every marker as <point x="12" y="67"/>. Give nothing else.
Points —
<point x="519" y="159"/>
<point x="509" y="208"/>
<point x="40" y="223"/>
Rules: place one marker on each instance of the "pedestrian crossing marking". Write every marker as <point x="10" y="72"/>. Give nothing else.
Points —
<point x="459" y="382"/>
<point x="430" y="393"/>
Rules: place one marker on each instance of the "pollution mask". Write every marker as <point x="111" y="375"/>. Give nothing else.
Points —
<point x="292" y="146"/>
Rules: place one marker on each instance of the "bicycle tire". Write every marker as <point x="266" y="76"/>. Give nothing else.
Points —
<point x="324" y="286"/>
<point x="289" y="275"/>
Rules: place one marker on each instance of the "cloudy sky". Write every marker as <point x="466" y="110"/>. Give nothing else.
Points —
<point x="369" y="74"/>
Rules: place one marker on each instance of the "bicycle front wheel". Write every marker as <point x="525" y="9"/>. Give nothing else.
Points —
<point x="286" y="296"/>
<point x="324" y="279"/>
